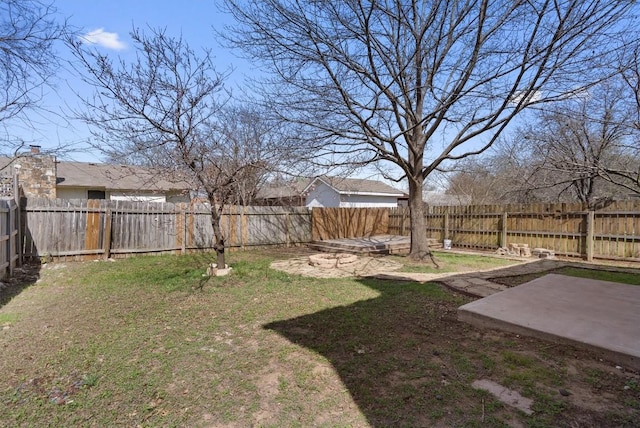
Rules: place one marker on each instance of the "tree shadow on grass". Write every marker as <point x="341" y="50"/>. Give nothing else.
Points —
<point x="403" y="356"/>
<point x="22" y="278"/>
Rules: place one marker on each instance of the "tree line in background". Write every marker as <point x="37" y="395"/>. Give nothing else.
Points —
<point x="416" y="88"/>
<point x="585" y="149"/>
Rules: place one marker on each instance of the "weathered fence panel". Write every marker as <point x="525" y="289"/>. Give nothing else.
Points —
<point x="60" y="227"/>
<point x="336" y="223"/>
<point x="616" y="231"/>
<point x="558" y="227"/>
<point x="271" y="225"/>
<point x="9" y="233"/>
<point x="140" y="227"/>
<point x="610" y="232"/>
<point x="84" y="229"/>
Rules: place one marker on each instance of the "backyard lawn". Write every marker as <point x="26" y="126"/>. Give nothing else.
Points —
<point x="138" y="342"/>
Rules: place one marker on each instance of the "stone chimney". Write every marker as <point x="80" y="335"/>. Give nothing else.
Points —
<point x="37" y="174"/>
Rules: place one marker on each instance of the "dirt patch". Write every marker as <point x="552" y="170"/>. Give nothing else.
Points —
<point x="362" y="266"/>
<point x="22" y="278"/>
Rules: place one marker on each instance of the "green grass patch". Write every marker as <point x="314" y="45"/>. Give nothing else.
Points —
<point x="8" y="318"/>
<point x="632" y="278"/>
<point x="628" y="276"/>
<point x="453" y="262"/>
<point x="517" y="360"/>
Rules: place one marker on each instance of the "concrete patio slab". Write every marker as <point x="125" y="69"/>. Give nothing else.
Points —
<point x="601" y="316"/>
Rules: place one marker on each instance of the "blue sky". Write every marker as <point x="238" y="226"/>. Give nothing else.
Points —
<point x="108" y="24"/>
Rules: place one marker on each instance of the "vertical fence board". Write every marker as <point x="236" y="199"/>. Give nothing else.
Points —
<point x="5" y="233"/>
<point x="10" y="256"/>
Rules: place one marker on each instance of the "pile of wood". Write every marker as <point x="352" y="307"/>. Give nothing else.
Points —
<point x="523" y="250"/>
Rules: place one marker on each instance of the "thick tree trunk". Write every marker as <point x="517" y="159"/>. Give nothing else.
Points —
<point x="218" y="245"/>
<point x="220" y="257"/>
<point x="419" y="244"/>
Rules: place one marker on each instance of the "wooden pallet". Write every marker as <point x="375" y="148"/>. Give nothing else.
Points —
<point x="367" y="246"/>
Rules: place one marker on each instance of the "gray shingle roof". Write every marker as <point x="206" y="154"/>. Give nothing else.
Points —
<point x="340" y="184"/>
<point x="287" y="190"/>
<point x="359" y="185"/>
<point x="109" y="177"/>
<point x="114" y="177"/>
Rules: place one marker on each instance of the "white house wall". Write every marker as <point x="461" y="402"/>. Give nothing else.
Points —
<point x="142" y="197"/>
<point x="149" y="197"/>
<point x="82" y="193"/>
<point x="368" y="201"/>
<point x="178" y="197"/>
<point x="71" y="193"/>
<point x="322" y="195"/>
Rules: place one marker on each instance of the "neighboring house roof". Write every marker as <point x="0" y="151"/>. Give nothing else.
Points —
<point x="351" y="186"/>
<point x="108" y="176"/>
<point x="121" y="177"/>
<point x="356" y="186"/>
<point x="276" y="191"/>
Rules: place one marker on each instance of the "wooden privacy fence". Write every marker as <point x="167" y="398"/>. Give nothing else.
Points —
<point x="612" y="232"/>
<point x="94" y="229"/>
<point x="9" y="237"/>
<point x="86" y="229"/>
<point x="336" y="223"/>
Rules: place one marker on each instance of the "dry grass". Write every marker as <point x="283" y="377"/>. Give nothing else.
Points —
<point x="134" y="343"/>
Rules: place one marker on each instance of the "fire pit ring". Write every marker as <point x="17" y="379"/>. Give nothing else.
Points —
<point x="333" y="260"/>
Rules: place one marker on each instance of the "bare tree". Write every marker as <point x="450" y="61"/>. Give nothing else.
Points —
<point x="628" y="176"/>
<point x="252" y="133"/>
<point x="416" y="83"/>
<point x="28" y="31"/>
<point x="165" y="110"/>
<point x="495" y="179"/>
<point x="580" y="147"/>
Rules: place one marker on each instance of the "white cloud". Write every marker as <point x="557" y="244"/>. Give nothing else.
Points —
<point x="103" y="38"/>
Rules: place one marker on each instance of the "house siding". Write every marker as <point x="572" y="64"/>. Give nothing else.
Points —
<point x="82" y="192"/>
<point x="368" y="201"/>
<point x="176" y="198"/>
<point x="71" y="193"/>
<point x="323" y="195"/>
<point x="137" y="197"/>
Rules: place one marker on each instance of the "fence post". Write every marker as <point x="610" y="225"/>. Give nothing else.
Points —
<point x="228" y="243"/>
<point x="245" y="228"/>
<point x="183" y="215"/>
<point x="446" y="226"/>
<point x="287" y="222"/>
<point x="590" y="235"/>
<point x="503" y="230"/>
<point x="10" y="236"/>
<point x="7" y="229"/>
<point x="107" y="234"/>
<point x="92" y="228"/>
<point x="16" y="197"/>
